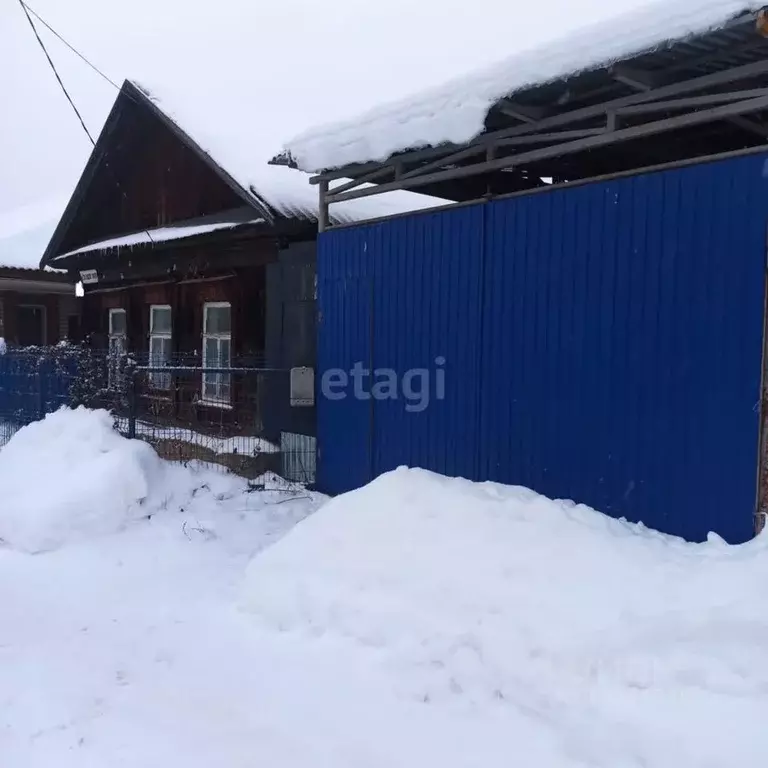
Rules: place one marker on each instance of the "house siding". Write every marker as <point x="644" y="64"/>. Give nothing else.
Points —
<point x="68" y="306"/>
<point x="10" y="301"/>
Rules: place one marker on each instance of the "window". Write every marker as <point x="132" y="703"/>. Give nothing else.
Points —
<point x="160" y="339"/>
<point x="118" y="345"/>
<point x="217" y="348"/>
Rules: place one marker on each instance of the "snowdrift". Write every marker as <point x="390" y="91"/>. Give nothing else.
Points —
<point x="72" y="475"/>
<point x="485" y="593"/>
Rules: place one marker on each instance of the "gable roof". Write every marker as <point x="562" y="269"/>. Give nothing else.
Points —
<point x="271" y="192"/>
<point x="281" y="191"/>
<point x="455" y="113"/>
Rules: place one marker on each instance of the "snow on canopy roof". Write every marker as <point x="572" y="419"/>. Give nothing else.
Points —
<point x="455" y="112"/>
<point x="25" y="232"/>
<point x="229" y="142"/>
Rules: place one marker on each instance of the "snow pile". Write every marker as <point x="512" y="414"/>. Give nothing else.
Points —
<point x="72" y="475"/>
<point x="455" y="112"/>
<point x="434" y="622"/>
<point x="125" y="649"/>
<point x="627" y="644"/>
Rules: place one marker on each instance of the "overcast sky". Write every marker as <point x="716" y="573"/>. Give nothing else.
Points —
<point x="295" y="63"/>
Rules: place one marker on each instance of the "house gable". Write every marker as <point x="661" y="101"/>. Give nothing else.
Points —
<point x="143" y="173"/>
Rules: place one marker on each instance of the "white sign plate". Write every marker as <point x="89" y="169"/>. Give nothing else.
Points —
<point x="89" y="276"/>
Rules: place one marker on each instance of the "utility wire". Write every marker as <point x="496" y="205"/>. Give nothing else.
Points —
<point x="27" y="11"/>
<point x="71" y="47"/>
<point x="55" y="72"/>
<point x="77" y="53"/>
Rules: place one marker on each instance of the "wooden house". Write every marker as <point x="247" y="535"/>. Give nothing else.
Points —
<point x="38" y="306"/>
<point x="193" y="252"/>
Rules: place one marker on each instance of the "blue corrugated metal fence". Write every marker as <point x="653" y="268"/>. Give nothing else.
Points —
<point x="31" y="386"/>
<point x="601" y="343"/>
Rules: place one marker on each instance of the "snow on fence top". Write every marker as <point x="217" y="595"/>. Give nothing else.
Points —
<point x="229" y="143"/>
<point x="455" y="112"/>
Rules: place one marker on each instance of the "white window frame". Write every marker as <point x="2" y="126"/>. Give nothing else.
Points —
<point x="159" y="380"/>
<point x="221" y="402"/>
<point x="114" y="380"/>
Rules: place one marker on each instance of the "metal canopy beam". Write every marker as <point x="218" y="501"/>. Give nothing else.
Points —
<point x="714" y="80"/>
<point x="539" y="138"/>
<point x="356" y="169"/>
<point x="322" y="212"/>
<point x="692" y="102"/>
<point x="562" y="119"/>
<point x="750" y="126"/>
<point x="365" y="179"/>
<point x="643" y="83"/>
<point x="580" y="145"/>
<point x="523" y="113"/>
<point x="563" y="132"/>
<point x="634" y="78"/>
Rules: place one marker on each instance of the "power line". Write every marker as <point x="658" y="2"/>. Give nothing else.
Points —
<point x="69" y="45"/>
<point x="77" y="53"/>
<point x="27" y="11"/>
<point x="55" y="72"/>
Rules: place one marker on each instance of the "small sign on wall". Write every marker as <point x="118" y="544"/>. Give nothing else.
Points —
<point x="89" y="276"/>
<point x="302" y="386"/>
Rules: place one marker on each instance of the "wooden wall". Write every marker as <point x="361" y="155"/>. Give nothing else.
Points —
<point x="242" y="287"/>
<point x="58" y="308"/>
<point x="263" y="284"/>
<point x="151" y="179"/>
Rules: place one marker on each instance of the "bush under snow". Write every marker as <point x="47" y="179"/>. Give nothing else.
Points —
<point x="72" y="475"/>
<point x="629" y="645"/>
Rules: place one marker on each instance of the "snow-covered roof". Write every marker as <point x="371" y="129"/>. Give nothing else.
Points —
<point x="229" y="143"/>
<point x="455" y="112"/>
<point x="25" y="232"/>
<point x="161" y="234"/>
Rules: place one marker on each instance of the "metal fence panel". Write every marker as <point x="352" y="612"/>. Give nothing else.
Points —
<point x="621" y="363"/>
<point x="426" y="340"/>
<point x="299" y="454"/>
<point x="344" y="338"/>
<point x="398" y="298"/>
<point x="603" y="343"/>
<point x="222" y="424"/>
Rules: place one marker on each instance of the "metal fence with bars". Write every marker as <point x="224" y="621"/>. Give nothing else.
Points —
<point x="238" y="417"/>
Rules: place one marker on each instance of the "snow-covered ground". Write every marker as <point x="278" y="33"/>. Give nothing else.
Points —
<point x="418" y="621"/>
<point x="244" y="445"/>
